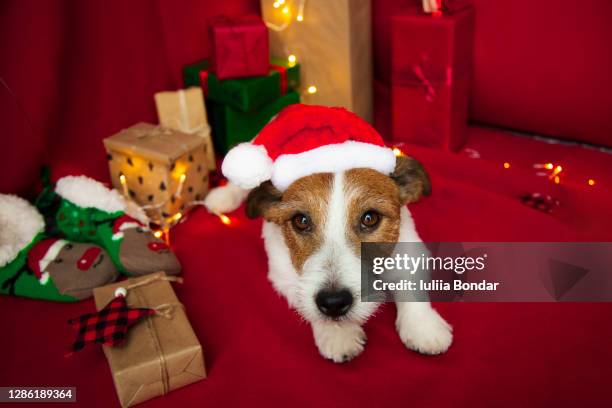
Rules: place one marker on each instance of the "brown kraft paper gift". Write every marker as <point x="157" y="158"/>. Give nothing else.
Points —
<point x="153" y="160"/>
<point x="161" y="352"/>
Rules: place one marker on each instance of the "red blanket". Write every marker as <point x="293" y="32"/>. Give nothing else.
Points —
<point x="260" y="352"/>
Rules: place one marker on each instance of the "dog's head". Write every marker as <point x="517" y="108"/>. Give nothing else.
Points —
<point x="324" y="218"/>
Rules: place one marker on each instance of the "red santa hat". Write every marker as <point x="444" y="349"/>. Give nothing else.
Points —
<point x="304" y="140"/>
<point x="42" y="254"/>
<point x="122" y="223"/>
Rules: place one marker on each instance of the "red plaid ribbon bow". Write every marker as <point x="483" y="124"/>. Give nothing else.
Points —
<point x="109" y="326"/>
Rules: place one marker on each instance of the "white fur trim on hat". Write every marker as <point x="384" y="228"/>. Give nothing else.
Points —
<point x="49" y="257"/>
<point x="247" y="165"/>
<point x="89" y="193"/>
<point x="331" y="159"/>
<point x="20" y="222"/>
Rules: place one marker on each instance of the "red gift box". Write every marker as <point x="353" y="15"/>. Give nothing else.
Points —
<point x="431" y="61"/>
<point x="239" y="47"/>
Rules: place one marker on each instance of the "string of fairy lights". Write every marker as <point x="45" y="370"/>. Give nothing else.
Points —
<point x="285" y="12"/>
<point x="550" y="170"/>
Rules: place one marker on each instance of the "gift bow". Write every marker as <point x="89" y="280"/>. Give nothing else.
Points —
<point x="423" y="74"/>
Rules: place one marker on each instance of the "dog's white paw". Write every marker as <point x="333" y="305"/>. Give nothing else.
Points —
<point x="225" y="199"/>
<point x="426" y="332"/>
<point x="339" y="342"/>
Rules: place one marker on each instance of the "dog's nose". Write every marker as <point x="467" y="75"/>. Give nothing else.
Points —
<point x="334" y="303"/>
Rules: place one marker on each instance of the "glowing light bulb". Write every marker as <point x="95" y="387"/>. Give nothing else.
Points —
<point x="397" y="152"/>
<point x="548" y="166"/>
<point x="300" y="18"/>
<point x="123" y="182"/>
<point x="312" y="89"/>
<point x="285" y="10"/>
<point x="158" y="234"/>
<point x="557" y="180"/>
<point x="292" y="59"/>
<point x="225" y="219"/>
<point x="276" y="4"/>
<point x="281" y="2"/>
<point x="176" y="217"/>
<point x="555" y="172"/>
<point x="506" y="165"/>
<point x="591" y="182"/>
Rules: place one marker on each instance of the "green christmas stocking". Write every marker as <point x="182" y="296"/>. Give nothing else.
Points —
<point x="90" y="212"/>
<point x="35" y="266"/>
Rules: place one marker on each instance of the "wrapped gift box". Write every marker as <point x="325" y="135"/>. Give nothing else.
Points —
<point x="431" y="63"/>
<point x="239" y="46"/>
<point x="245" y="94"/>
<point x="332" y="44"/>
<point x="184" y="110"/>
<point x="231" y="127"/>
<point x="163" y="169"/>
<point x="161" y="353"/>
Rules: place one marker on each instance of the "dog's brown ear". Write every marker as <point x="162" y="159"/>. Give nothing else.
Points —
<point x="261" y="199"/>
<point x="411" y="179"/>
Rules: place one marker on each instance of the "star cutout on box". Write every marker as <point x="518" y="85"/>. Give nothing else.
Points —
<point x="109" y="326"/>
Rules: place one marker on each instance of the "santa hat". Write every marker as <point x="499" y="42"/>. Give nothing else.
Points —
<point x="122" y="223"/>
<point x="304" y="140"/>
<point x="42" y="254"/>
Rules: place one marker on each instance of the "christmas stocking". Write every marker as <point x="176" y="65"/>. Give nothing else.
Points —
<point x="34" y="266"/>
<point x="90" y="212"/>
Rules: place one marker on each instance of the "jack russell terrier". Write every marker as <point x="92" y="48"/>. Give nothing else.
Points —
<point x="324" y="182"/>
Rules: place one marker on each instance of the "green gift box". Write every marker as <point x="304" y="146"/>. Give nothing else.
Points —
<point x="245" y="94"/>
<point x="231" y="126"/>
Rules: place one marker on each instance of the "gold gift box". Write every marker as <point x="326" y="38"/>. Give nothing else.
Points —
<point x="161" y="169"/>
<point x="184" y="110"/>
<point x="161" y="353"/>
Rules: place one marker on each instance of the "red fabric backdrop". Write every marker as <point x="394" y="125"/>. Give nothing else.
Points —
<point x="83" y="70"/>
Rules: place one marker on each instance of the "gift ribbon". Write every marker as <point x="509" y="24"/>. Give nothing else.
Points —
<point x="165" y="310"/>
<point x="283" y="77"/>
<point x="204" y="81"/>
<point x="430" y="92"/>
<point x="422" y="74"/>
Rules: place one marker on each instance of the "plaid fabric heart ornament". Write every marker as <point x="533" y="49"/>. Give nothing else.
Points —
<point x="109" y="326"/>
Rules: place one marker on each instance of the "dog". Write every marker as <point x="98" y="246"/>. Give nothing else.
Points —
<point x="324" y="182"/>
<point x="312" y="234"/>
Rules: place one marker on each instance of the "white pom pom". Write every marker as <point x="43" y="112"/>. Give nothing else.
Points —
<point x="225" y="198"/>
<point x="247" y="165"/>
<point x="121" y="291"/>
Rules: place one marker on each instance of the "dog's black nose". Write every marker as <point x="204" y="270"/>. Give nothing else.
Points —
<point x="334" y="303"/>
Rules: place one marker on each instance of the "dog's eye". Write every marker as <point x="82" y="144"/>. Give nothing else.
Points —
<point x="369" y="220"/>
<point x="301" y="222"/>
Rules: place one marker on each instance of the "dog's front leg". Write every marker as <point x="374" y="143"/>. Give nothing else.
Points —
<point x="339" y="341"/>
<point x="422" y="329"/>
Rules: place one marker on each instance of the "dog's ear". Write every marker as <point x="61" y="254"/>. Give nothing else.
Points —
<point x="411" y="179"/>
<point x="261" y="199"/>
